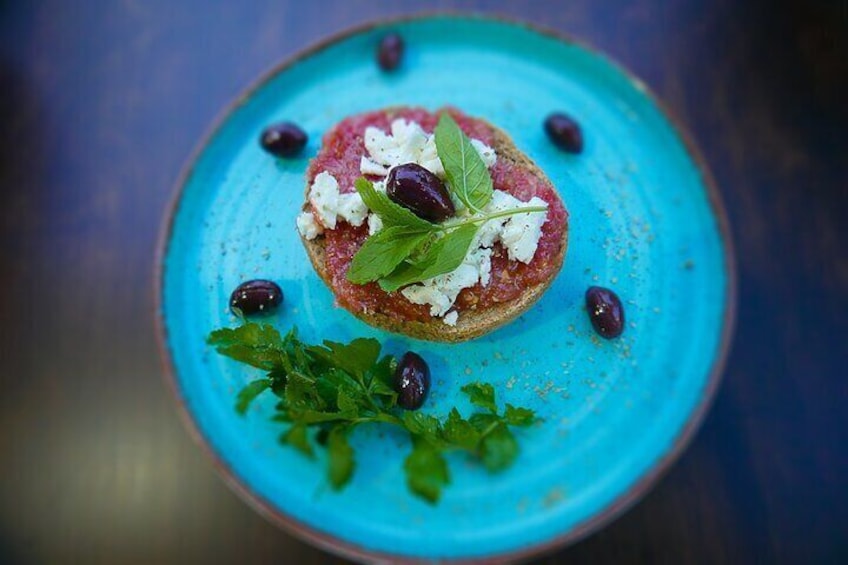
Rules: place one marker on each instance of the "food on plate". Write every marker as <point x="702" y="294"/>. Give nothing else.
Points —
<point x="565" y="132"/>
<point x="284" y="139"/>
<point x="605" y="311"/>
<point x="431" y="224"/>
<point x="256" y="297"/>
<point x="390" y="51"/>
<point x="323" y="392"/>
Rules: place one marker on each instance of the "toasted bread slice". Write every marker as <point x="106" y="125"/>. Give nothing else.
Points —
<point x="470" y="323"/>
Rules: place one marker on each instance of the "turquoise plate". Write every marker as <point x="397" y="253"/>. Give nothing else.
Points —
<point x="645" y="221"/>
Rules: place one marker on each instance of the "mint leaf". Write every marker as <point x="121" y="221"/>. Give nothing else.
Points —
<point x="519" y="416"/>
<point x="341" y="463"/>
<point x="426" y="470"/>
<point x="482" y="395"/>
<point x="391" y="213"/>
<point x="466" y="172"/>
<point x="258" y="345"/>
<point x="443" y="256"/>
<point x="460" y="432"/>
<point x="297" y="437"/>
<point x="383" y="252"/>
<point x="498" y="448"/>
<point x="250" y="391"/>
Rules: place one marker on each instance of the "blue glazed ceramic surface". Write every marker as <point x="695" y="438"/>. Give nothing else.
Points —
<point x="641" y="223"/>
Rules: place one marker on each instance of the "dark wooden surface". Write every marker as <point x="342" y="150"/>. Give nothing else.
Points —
<point x="101" y="103"/>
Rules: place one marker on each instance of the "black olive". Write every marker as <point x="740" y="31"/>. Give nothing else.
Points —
<point x="565" y="132"/>
<point x="283" y="140"/>
<point x="390" y="52"/>
<point x="412" y="381"/>
<point x="414" y="187"/>
<point x="605" y="311"/>
<point x="255" y="297"/>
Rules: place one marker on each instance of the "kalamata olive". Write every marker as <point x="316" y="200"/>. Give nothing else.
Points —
<point x="605" y="311"/>
<point x="255" y="297"/>
<point x="412" y="381"/>
<point x="390" y="52"/>
<point x="284" y="139"/>
<point x="564" y="132"/>
<point x="414" y="187"/>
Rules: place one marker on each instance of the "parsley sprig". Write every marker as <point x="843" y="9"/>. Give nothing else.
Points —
<point x="410" y="249"/>
<point x="325" y="391"/>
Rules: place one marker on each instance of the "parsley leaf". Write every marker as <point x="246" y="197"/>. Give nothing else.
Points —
<point x="460" y="431"/>
<point x="519" y="416"/>
<point x="426" y="470"/>
<point x="340" y="453"/>
<point x="296" y="436"/>
<point x="467" y="173"/>
<point x="482" y="395"/>
<point x="254" y="344"/>
<point x="499" y="448"/>
<point x="334" y="387"/>
<point x="249" y="392"/>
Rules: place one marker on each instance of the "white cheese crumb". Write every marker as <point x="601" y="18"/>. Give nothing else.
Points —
<point x="330" y="204"/>
<point x="408" y="143"/>
<point x="369" y="167"/>
<point x="486" y="152"/>
<point x="375" y="224"/>
<point x="307" y="226"/>
<point x="521" y="232"/>
<point x="450" y="318"/>
<point x="440" y="292"/>
<point x="490" y="232"/>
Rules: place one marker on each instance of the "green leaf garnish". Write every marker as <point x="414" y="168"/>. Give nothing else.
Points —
<point x="334" y="387"/>
<point x="410" y="249"/>
<point x="426" y="470"/>
<point x="467" y="173"/>
<point x="297" y="437"/>
<point x="249" y="392"/>
<point x="340" y="453"/>
<point x="442" y="256"/>
<point x="383" y="252"/>
<point x="482" y="395"/>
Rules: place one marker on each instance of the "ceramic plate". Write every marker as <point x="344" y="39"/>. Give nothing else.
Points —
<point x="645" y="220"/>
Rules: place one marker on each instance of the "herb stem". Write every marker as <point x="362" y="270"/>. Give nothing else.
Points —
<point x="494" y="215"/>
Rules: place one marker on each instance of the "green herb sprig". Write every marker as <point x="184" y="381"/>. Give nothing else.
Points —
<point x="410" y="249"/>
<point x="325" y="391"/>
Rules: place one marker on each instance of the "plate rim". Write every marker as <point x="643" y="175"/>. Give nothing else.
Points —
<point x="621" y="503"/>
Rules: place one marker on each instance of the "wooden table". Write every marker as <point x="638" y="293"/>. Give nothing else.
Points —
<point x="100" y="104"/>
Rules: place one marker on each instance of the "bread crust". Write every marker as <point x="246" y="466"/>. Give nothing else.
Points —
<point x="471" y="323"/>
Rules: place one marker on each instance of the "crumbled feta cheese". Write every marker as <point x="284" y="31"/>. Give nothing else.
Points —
<point x="521" y="232"/>
<point x="408" y="143"/>
<point x="440" y="292"/>
<point x="369" y="167"/>
<point x="375" y="224"/>
<point x="450" y="318"/>
<point x="490" y="231"/>
<point x="330" y="204"/>
<point x="486" y="152"/>
<point x="307" y="226"/>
